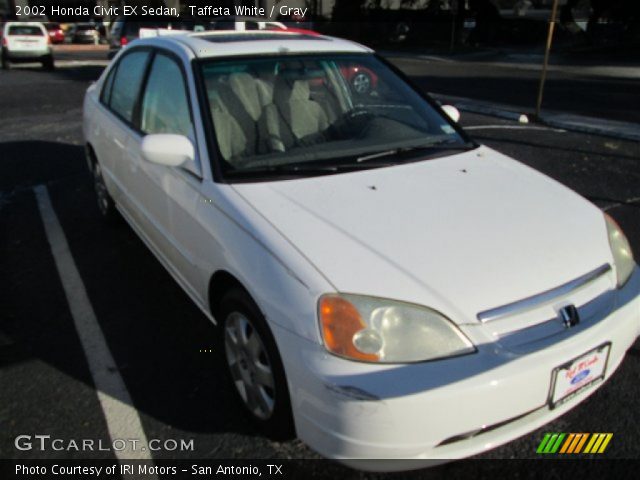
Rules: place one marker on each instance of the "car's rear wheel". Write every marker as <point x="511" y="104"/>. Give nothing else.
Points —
<point x="106" y="205"/>
<point x="254" y="366"/>
<point x="4" y="61"/>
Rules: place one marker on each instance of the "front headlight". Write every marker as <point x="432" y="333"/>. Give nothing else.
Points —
<point x="386" y="331"/>
<point x="622" y="254"/>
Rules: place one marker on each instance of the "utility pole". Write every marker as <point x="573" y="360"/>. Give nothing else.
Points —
<point x="545" y="65"/>
<point x="453" y="10"/>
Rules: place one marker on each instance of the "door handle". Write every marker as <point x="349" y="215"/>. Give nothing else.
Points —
<point x="118" y="143"/>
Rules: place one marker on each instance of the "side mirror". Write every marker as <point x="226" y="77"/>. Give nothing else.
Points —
<point x="167" y="149"/>
<point x="452" y="112"/>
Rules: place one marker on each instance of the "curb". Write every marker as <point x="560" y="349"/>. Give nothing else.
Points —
<point x="566" y="121"/>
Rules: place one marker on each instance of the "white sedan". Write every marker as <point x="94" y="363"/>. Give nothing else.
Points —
<point x="385" y="288"/>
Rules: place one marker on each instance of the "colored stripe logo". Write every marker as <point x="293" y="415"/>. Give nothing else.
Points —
<point x="568" y="443"/>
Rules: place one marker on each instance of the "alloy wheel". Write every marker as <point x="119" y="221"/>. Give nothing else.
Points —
<point x="249" y="365"/>
<point x="361" y="83"/>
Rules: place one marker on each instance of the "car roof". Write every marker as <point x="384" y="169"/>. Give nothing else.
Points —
<point x="24" y="24"/>
<point x="226" y="43"/>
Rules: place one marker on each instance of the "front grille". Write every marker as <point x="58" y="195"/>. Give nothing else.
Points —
<point x="537" y="317"/>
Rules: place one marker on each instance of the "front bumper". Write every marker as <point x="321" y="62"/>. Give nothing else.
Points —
<point x="440" y="410"/>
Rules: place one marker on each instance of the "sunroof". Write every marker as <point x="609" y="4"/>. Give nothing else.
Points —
<point x="249" y="37"/>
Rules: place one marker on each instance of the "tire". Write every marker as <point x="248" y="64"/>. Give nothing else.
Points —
<point x="106" y="205"/>
<point x="361" y="83"/>
<point x="47" y="62"/>
<point x="253" y="365"/>
<point x="5" y="61"/>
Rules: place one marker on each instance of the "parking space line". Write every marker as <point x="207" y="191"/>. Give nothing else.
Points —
<point x="121" y="417"/>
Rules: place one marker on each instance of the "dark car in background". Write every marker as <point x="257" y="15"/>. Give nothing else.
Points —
<point x="84" y="33"/>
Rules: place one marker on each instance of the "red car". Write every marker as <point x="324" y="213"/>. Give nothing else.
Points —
<point x="56" y="34"/>
<point x="361" y="79"/>
<point x="287" y="28"/>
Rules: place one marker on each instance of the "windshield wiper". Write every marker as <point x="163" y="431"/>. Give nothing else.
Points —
<point x="433" y="147"/>
<point x="361" y="163"/>
<point x="298" y="169"/>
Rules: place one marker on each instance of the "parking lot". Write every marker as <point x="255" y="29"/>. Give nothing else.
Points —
<point x="161" y="343"/>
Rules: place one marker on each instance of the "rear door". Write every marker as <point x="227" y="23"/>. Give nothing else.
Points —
<point x="114" y="122"/>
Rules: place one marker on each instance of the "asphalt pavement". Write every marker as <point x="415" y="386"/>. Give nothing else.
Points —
<point x="603" y="91"/>
<point x="158" y="337"/>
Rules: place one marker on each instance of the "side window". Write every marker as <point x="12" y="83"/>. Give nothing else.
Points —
<point x="105" y="95"/>
<point x="126" y="83"/>
<point x="165" y="107"/>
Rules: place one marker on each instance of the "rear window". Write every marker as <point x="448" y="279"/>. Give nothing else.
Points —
<point x="25" y="30"/>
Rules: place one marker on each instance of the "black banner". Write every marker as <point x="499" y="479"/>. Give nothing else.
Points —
<point x="543" y="467"/>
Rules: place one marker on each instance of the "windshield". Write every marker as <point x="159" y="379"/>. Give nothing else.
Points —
<point x="325" y="111"/>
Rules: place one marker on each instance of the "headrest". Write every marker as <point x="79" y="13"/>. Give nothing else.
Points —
<point x="300" y="90"/>
<point x="246" y="89"/>
<point x="215" y="101"/>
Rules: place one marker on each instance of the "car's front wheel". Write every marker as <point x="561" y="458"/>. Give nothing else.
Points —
<point x="254" y="366"/>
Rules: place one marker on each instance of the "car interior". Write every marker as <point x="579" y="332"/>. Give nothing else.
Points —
<point x="267" y="112"/>
<point x="268" y="109"/>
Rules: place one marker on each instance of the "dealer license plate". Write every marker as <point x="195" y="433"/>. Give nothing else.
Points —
<point x="573" y="377"/>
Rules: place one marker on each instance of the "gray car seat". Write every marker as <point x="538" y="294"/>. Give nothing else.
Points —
<point x="293" y="118"/>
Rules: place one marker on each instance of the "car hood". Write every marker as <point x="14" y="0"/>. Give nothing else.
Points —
<point x="462" y="233"/>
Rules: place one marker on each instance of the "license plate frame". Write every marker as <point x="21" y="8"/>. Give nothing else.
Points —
<point x="561" y="391"/>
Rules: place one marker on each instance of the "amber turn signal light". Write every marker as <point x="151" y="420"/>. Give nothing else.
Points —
<point x="340" y="321"/>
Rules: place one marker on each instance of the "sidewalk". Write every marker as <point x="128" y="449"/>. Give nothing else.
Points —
<point x="584" y="64"/>
<point x="70" y="52"/>
<point x="79" y="47"/>
<point x="564" y="120"/>
<point x="588" y="91"/>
